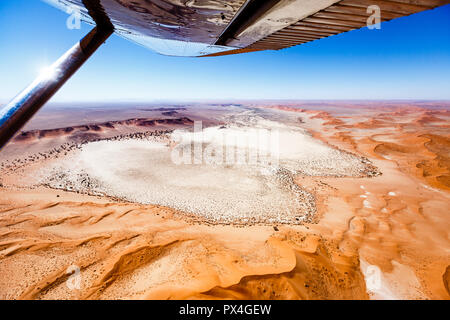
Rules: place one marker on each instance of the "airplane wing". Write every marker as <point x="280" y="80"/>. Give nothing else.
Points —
<point x="216" y="27"/>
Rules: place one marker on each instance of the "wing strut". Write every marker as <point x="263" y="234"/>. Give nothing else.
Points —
<point x="15" y="114"/>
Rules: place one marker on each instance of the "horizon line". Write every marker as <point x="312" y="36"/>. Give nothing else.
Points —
<point x="226" y="101"/>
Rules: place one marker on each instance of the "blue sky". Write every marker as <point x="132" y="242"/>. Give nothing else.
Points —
<point x="409" y="58"/>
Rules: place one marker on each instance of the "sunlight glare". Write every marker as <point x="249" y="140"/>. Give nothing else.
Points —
<point x="47" y="73"/>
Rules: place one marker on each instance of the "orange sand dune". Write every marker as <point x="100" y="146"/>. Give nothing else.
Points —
<point x="131" y="251"/>
<point x="426" y="156"/>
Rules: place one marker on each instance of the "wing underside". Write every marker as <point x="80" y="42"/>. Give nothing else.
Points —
<point x="218" y="27"/>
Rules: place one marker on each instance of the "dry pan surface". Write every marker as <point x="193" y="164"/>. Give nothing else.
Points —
<point x="226" y="187"/>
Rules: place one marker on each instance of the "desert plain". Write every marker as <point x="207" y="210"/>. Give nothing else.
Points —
<point x="354" y="203"/>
